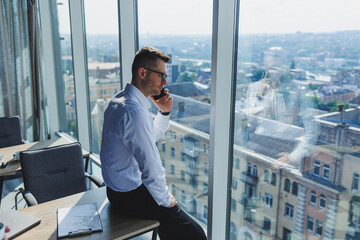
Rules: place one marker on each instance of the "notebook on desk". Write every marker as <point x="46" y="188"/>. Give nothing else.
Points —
<point x="18" y="222"/>
<point x="80" y="219"/>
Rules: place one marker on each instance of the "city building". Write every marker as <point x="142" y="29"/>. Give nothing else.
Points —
<point x="249" y="92"/>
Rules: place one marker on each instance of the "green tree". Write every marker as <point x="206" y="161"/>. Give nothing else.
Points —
<point x="257" y="75"/>
<point x="186" y="65"/>
<point x="333" y="105"/>
<point x="286" y="78"/>
<point x="186" y="77"/>
<point x="313" y="86"/>
<point x="330" y="106"/>
<point x="205" y="65"/>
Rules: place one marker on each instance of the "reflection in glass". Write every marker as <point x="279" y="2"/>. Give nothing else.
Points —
<point x="297" y="120"/>
<point x="67" y="68"/>
<point x="103" y="61"/>
<point x="185" y="147"/>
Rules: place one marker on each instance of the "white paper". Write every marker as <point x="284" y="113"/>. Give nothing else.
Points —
<point x="79" y="219"/>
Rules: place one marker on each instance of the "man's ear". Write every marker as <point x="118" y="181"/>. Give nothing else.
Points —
<point x="141" y="73"/>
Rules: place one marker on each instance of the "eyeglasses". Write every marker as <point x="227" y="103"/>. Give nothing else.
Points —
<point x="163" y="75"/>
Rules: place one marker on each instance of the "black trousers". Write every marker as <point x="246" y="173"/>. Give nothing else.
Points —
<point x="174" y="223"/>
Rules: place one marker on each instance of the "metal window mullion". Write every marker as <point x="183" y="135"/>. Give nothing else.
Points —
<point x="78" y="36"/>
<point x="128" y="37"/>
<point x="49" y="65"/>
<point x="221" y="116"/>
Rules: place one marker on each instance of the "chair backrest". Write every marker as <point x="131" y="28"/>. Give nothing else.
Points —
<point x="10" y="131"/>
<point x="54" y="172"/>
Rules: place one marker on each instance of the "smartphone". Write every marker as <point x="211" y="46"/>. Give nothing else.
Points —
<point x="162" y="93"/>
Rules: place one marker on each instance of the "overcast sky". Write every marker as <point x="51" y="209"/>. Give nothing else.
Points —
<point x="195" y="16"/>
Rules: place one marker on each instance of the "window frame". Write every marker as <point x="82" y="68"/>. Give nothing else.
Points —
<point x="273" y="179"/>
<point x="317" y="226"/>
<point x="322" y="198"/>
<point x="172" y="152"/>
<point x="287" y="185"/>
<point x="312" y="194"/>
<point x="205" y="212"/>
<point x="234" y="183"/>
<point x="355" y="176"/>
<point x="266" y="220"/>
<point x="316" y="166"/>
<point x="289" y="211"/>
<point x="295" y="188"/>
<point x="163" y="147"/>
<point x="325" y="171"/>
<point x="307" y="224"/>
<point x="266" y="176"/>
<point x="205" y="189"/>
<point x="183" y="196"/>
<point x="254" y="170"/>
<point x="248" y="169"/>
<point x="268" y="200"/>
<point x="182" y="175"/>
<point x="233" y="205"/>
<point x="237" y="163"/>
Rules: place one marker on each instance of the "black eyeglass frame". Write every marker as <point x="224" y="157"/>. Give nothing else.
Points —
<point x="163" y="75"/>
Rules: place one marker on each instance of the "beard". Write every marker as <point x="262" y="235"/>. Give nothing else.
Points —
<point x="150" y="87"/>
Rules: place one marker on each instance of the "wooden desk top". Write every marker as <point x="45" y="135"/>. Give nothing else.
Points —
<point x="114" y="226"/>
<point x="14" y="166"/>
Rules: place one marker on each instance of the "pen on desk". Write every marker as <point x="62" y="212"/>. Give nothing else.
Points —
<point x="81" y="231"/>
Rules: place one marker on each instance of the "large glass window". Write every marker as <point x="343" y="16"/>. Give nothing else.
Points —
<point x="103" y="59"/>
<point x="67" y="70"/>
<point x="182" y="29"/>
<point x="296" y="112"/>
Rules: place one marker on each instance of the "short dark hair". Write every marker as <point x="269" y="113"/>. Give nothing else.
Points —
<point x="147" y="57"/>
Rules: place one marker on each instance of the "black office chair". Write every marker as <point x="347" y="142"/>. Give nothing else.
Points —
<point x="54" y="172"/>
<point x="10" y="131"/>
<point x="10" y="135"/>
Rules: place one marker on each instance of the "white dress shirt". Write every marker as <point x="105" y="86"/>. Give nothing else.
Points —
<point x="129" y="156"/>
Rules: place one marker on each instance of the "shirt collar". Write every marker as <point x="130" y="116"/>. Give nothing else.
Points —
<point x="138" y="94"/>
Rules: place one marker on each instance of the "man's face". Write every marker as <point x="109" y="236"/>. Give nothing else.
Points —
<point x="152" y="83"/>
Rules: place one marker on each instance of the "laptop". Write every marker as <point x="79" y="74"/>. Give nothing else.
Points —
<point x="18" y="222"/>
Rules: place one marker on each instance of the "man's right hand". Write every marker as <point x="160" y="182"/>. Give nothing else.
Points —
<point x="173" y="202"/>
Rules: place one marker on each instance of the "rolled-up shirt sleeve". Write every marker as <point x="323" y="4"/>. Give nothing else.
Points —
<point x="140" y="140"/>
<point x="161" y="124"/>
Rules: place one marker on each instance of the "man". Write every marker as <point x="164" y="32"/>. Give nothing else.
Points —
<point x="131" y="165"/>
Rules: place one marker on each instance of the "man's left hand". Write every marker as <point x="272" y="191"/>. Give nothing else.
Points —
<point x="165" y="103"/>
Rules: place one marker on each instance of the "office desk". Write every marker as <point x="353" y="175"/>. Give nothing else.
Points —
<point x="114" y="226"/>
<point x="14" y="166"/>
